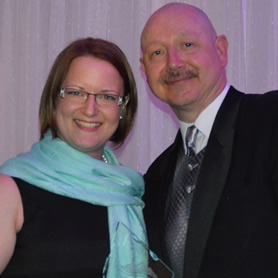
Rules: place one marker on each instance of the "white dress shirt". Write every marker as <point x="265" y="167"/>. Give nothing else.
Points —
<point x="204" y="121"/>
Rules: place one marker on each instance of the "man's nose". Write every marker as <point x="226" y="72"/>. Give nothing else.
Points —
<point x="174" y="58"/>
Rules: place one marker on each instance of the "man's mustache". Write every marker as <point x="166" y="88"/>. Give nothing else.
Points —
<point x="176" y="75"/>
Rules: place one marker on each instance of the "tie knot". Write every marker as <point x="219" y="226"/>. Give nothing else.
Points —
<point x="190" y="139"/>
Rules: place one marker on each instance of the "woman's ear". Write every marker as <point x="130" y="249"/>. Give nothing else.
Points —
<point x="123" y="107"/>
<point x="126" y="101"/>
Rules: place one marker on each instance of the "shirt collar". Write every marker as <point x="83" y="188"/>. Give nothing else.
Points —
<point x="206" y="118"/>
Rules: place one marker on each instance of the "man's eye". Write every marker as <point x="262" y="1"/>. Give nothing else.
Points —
<point x="157" y="52"/>
<point x="187" y="44"/>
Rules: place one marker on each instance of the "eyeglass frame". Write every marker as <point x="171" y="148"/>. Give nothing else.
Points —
<point x="121" y="99"/>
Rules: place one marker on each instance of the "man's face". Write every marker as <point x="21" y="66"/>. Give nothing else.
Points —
<point x="183" y="59"/>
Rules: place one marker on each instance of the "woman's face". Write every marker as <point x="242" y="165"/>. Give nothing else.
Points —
<point x="89" y="125"/>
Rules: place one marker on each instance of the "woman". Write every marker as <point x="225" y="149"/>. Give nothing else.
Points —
<point x="61" y="203"/>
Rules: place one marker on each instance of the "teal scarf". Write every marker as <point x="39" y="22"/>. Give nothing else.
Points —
<point x="56" y="167"/>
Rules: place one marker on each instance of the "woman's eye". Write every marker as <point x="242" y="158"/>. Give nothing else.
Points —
<point x="187" y="44"/>
<point x="110" y="97"/>
<point x="74" y="93"/>
<point x="106" y="98"/>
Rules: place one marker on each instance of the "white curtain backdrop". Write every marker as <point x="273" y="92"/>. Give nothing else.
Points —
<point x="33" y="32"/>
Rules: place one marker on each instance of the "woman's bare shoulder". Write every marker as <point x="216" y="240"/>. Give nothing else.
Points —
<point x="11" y="218"/>
<point x="10" y="201"/>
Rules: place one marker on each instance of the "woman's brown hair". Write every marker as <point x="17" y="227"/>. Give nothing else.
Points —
<point x="103" y="50"/>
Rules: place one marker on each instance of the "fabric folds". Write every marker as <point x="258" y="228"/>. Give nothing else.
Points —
<point x="56" y="167"/>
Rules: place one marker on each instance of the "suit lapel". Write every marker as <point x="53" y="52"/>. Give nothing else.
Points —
<point x="211" y="180"/>
<point x="159" y="180"/>
<point x="167" y="174"/>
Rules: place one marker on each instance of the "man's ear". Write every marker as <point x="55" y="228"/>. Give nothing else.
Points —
<point x="221" y="44"/>
<point x="142" y="64"/>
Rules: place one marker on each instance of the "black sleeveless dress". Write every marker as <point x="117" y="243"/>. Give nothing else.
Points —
<point x="61" y="237"/>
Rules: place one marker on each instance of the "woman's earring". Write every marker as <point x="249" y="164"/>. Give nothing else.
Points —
<point x="121" y="117"/>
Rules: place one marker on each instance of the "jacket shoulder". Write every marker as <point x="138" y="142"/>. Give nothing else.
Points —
<point x="166" y="158"/>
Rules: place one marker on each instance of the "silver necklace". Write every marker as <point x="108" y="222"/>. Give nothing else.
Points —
<point x="104" y="158"/>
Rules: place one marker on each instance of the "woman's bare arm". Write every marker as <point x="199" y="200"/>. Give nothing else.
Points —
<point x="11" y="218"/>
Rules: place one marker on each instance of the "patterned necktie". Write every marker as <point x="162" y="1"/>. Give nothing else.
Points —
<point x="190" y="139"/>
<point x="180" y="203"/>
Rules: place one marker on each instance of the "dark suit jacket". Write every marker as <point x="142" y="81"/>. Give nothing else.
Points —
<point x="233" y="225"/>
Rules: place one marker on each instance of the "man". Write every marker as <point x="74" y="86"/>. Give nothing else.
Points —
<point x="230" y="216"/>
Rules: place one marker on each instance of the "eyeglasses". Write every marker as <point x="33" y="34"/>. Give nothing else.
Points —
<point x="80" y="96"/>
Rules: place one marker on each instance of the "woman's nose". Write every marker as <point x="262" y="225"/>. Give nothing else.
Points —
<point x="91" y="106"/>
